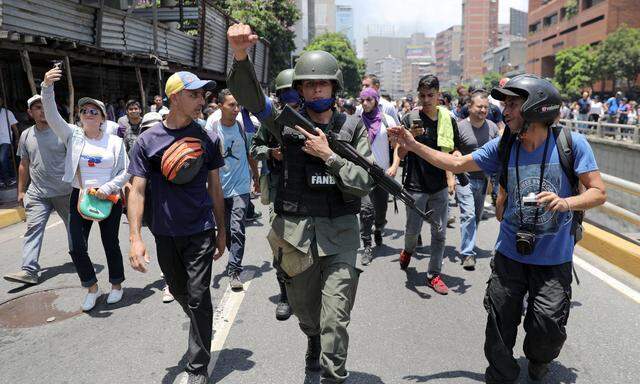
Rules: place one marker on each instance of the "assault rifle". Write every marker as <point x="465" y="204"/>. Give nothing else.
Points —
<point x="290" y="118"/>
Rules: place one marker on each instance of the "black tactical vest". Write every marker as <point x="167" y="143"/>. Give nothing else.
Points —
<point x="306" y="187"/>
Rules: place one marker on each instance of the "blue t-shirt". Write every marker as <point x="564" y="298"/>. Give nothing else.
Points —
<point x="178" y="210"/>
<point x="613" y="105"/>
<point x="554" y="242"/>
<point x="234" y="175"/>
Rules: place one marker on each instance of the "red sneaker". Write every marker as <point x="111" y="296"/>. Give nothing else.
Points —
<point x="438" y="285"/>
<point x="405" y="258"/>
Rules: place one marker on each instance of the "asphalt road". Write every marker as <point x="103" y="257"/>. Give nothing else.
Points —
<point x="401" y="331"/>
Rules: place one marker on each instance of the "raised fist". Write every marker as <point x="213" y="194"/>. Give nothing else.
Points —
<point x="240" y="39"/>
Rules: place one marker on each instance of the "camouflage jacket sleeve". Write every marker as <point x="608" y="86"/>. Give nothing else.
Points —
<point x="352" y="178"/>
<point x="245" y="87"/>
<point x="259" y="148"/>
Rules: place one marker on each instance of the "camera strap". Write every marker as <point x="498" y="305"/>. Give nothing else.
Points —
<point x="542" y="167"/>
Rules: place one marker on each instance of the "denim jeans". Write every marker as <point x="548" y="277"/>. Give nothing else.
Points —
<point x="235" y="216"/>
<point x="373" y="212"/>
<point x="439" y="202"/>
<point x="471" y="202"/>
<point x="7" y="172"/>
<point x="37" y="211"/>
<point x="80" y="229"/>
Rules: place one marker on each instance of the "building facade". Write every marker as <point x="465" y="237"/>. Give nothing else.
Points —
<point x="377" y="48"/>
<point x="389" y="71"/>
<point x="480" y="32"/>
<point x="553" y="27"/>
<point x="324" y="17"/>
<point x="517" y="22"/>
<point x="344" y="22"/>
<point x="448" y="51"/>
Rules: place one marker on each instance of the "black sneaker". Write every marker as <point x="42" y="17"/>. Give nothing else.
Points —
<point x="197" y="378"/>
<point x="312" y="357"/>
<point x="256" y="216"/>
<point x="537" y="371"/>
<point x="367" y="255"/>
<point x="283" y="311"/>
<point x="377" y="237"/>
<point x="235" y="283"/>
<point x="469" y="263"/>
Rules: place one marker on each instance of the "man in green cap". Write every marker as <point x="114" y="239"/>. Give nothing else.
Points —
<point x="265" y="148"/>
<point x="314" y="231"/>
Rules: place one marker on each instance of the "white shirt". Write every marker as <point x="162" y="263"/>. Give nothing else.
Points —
<point x="4" y="127"/>
<point x="217" y="116"/>
<point x="110" y="127"/>
<point x="596" y="108"/>
<point x="380" y="145"/>
<point x="96" y="161"/>
<point x="162" y="109"/>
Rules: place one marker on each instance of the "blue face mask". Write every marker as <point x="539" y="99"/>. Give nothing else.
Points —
<point x="319" y="106"/>
<point x="290" y="96"/>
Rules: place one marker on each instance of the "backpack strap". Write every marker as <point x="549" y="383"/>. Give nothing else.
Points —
<point x="504" y="151"/>
<point x="564" y="143"/>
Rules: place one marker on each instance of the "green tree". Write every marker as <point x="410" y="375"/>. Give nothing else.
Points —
<point x="491" y="80"/>
<point x="574" y="70"/>
<point x="352" y="68"/>
<point x="272" y="20"/>
<point x="618" y="56"/>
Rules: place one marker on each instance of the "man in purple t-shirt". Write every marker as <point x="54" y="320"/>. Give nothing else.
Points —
<point x="183" y="214"/>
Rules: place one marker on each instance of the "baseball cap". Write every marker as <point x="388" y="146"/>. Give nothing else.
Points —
<point x="87" y="100"/>
<point x="33" y="99"/>
<point x="150" y="119"/>
<point x="185" y="80"/>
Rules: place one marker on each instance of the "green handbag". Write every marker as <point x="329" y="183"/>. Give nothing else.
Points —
<point x="91" y="207"/>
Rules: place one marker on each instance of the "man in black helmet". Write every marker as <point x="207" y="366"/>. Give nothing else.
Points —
<point x="539" y="206"/>
<point x="314" y="232"/>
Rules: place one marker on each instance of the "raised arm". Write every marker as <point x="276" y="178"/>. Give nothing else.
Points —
<point x="439" y="159"/>
<point x="56" y="122"/>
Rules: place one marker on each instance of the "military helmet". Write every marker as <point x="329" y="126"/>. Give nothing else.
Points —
<point x="542" y="100"/>
<point x="318" y="65"/>
<point x="284" y="79"/>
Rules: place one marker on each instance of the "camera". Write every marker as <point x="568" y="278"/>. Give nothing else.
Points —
<point x="530" y="200"/>
<point x="525" y="241"/>
<point x="58" y="64"/>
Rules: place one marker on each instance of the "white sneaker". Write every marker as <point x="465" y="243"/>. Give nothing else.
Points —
<point x="114" y="296"/>
<point x="167" y="297"/>
<point x="90" y="300"/>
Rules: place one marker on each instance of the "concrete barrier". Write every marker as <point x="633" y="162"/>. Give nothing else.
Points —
<point x="620" y="252"/>
<point x="10" y="216"/>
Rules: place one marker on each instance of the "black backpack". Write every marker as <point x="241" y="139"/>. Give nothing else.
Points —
<point x="564" y="144"/>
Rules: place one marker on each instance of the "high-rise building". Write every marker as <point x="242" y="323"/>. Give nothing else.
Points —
<point x="552" y="27"/>
<point x="344" y="22"/>
<point x="448" y="46"/>
<point x="301" y="27"/>
<point x="517" y="22"/>
<point x="325" y="16"/>
<point x="379" y="47"/>
<point x="480" y="32"/>
<point x="412" y="72"/>
<point x="389" y="71"/>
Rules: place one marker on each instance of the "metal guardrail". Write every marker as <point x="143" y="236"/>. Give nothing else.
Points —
<point x="623" y="132"/>
<point x="626" y="187"/>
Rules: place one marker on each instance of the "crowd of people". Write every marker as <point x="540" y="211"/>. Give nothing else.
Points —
<point x="616" y="109"/>
<point x="190" y="169"/>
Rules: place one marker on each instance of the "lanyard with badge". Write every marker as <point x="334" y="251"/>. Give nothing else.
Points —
<point x="526" y="236"/>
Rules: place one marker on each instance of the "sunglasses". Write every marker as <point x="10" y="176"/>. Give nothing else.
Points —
<point x="92" y="112"/>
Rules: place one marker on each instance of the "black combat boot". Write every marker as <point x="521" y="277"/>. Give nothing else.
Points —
<point x="312" y="358"/>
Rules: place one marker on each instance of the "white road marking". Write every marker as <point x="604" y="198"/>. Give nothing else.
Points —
<point x="225" y="314"/>
<point x="609" y="280"/>
<point x="49" y="226"/>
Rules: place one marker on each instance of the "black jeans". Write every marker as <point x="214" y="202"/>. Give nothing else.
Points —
<point x="80" y="229"/>
<point x="373" y="212"/>
<point x="549" y="288"/>
<point x="186" y="264"/>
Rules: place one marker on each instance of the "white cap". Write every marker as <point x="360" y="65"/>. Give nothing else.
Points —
<point x="33" y="99"/>
<point x="163" y="112"/>
<point x="150" y="119"/>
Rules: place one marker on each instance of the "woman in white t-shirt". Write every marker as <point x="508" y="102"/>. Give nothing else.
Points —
<point x="98" y="160"/>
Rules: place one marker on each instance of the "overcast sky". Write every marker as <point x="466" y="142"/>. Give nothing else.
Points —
<point x="408" y="16"/>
